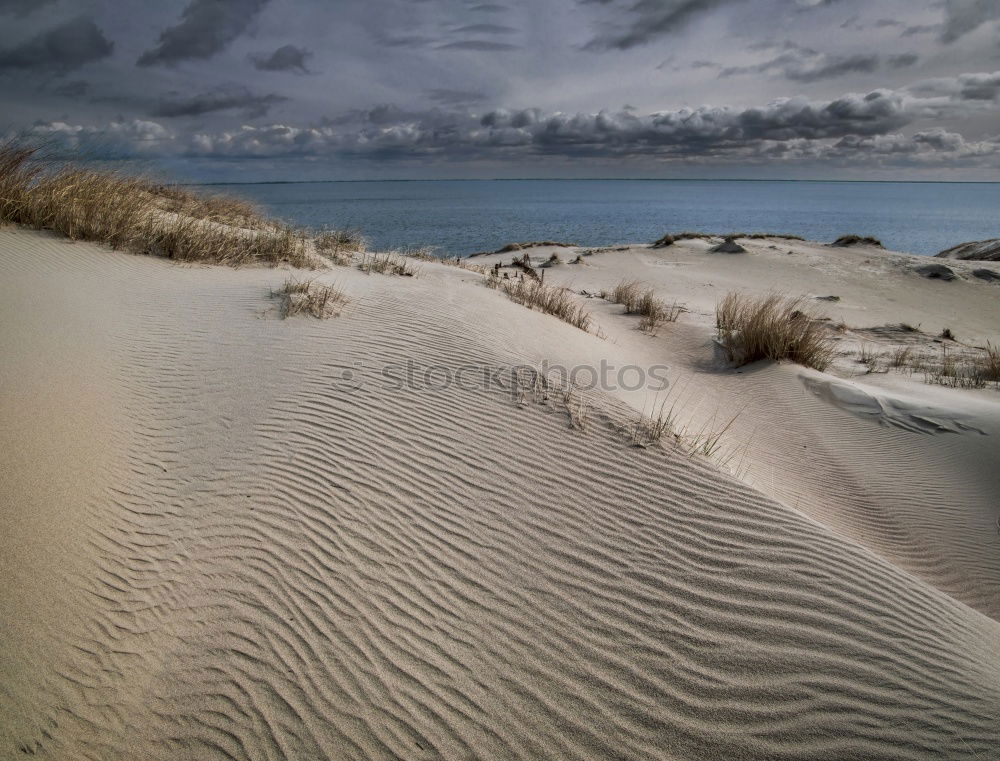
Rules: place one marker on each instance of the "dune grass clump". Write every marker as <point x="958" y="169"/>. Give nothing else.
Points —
<point x="643" y="302"/>
<point x="339" y="246"/>
<point x="772" y="327"/>
<point x="388" y="263"/>
<point x="534" y="294"/>
<point x="134" y="214"/>
<point x="670" y="238"/>
<point x="845" y="241"/>
<point x="901" y="356"/>
<point x="309" y="297"/>
<point x="532" y="244"/>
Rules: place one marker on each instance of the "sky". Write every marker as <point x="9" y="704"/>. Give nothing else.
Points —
<point x="245" y="90"/>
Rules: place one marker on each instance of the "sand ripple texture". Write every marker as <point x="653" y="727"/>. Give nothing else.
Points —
<point x="269" y="563"/>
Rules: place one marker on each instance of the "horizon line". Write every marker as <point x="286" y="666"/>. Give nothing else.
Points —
<point x="592" y="179"/>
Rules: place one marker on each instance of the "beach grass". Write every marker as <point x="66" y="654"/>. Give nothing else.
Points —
<point x="534" y="294"/>
<point x="772" y="326"/>
<point x="135" y="214"/>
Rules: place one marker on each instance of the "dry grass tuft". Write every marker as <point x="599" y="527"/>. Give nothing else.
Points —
<point x="901" y="356"/>
<point x="867" y="355"/>
<point x="772" y="327"/>
<point x="388" y="263"/>
<point x="137" y="215"/>
<point x="534" y="294"/>
<point x="845" y="241"/>
<point x="975" y="368"/>
<point x="654" y="311"/>
<point x="670" y="238"/>
<point x="339" y="246"/>
<point x="310" y="297"/>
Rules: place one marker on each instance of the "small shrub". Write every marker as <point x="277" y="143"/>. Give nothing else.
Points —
<point x="772" y="327"/>
<point x="947" y="335"/>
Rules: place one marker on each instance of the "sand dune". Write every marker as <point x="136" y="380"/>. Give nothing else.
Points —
<point x="239" y="537"/>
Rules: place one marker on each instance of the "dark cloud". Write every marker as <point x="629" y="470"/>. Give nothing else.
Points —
<point x="286" y="58"/>
<point x="68" y="46"/>
<point x="702" y="131"/>
<point x="801" y="64"/>
<point x="206" y="28"/>
<point x="480" y="45"/>
<point x="980" y="87"/>
<point x="916" y="29"/>
<point x="964" y="16"/>
<point x="650" y="19"/>
<point x="489" y="8"/>
<point x="902" y="61"/>
<point x="228" y="99"/>
<point x="73" y="89"/>
<point x="484" y="29"/>
<point x="448" y="97"/>
<point x="23" y="7"/>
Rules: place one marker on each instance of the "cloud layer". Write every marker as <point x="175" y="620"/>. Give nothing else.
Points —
<point x="853" y="127"/>
<point x="547" y="84"/>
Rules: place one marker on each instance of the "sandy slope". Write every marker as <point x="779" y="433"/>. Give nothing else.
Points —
<point x="221" y="544"/>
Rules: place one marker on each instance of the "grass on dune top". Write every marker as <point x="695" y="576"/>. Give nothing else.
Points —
<point x="135" y="214"/>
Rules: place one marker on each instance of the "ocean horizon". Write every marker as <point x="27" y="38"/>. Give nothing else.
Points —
<point x="458" y="217"/>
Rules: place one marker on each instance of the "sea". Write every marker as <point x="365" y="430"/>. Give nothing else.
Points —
<point x="460" y="217"/>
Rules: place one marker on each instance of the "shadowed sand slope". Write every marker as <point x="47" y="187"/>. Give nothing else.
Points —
<point x="276" y="550"/>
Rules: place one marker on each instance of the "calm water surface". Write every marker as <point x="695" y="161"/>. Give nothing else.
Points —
<point x="463" y="216"/>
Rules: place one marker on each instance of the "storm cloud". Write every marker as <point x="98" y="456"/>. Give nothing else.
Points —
<point x="206" y="28"/>
<point x="69" y="45"/>
<point x="286" y="58"/>
<point x="649" y="19"/>
<point x="23" y="7"/>
<point x="238" y="99"/>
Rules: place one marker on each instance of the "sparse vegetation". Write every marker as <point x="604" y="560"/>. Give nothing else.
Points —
<point x="976" y="368"/>
<point x="532" y="244"/>
<point x="845" y="241"/>
<point x="867" y="355"/>
<point x="524" y="264"/>
<point x="654" y="311"/>
<point x="339" y="245"/>
<point x="947" y="335"/>
<point x="309" y="297"/>
<point x="671" y="238"/>
<point x="772" y="327"/>
<point x="136" y="215"/>
<point x="901" y="356"/>
<point x="534" y="294"/>
<point x="387" y="263"/>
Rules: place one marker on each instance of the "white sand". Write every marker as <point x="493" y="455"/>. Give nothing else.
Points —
<point x="214" y="547"/>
